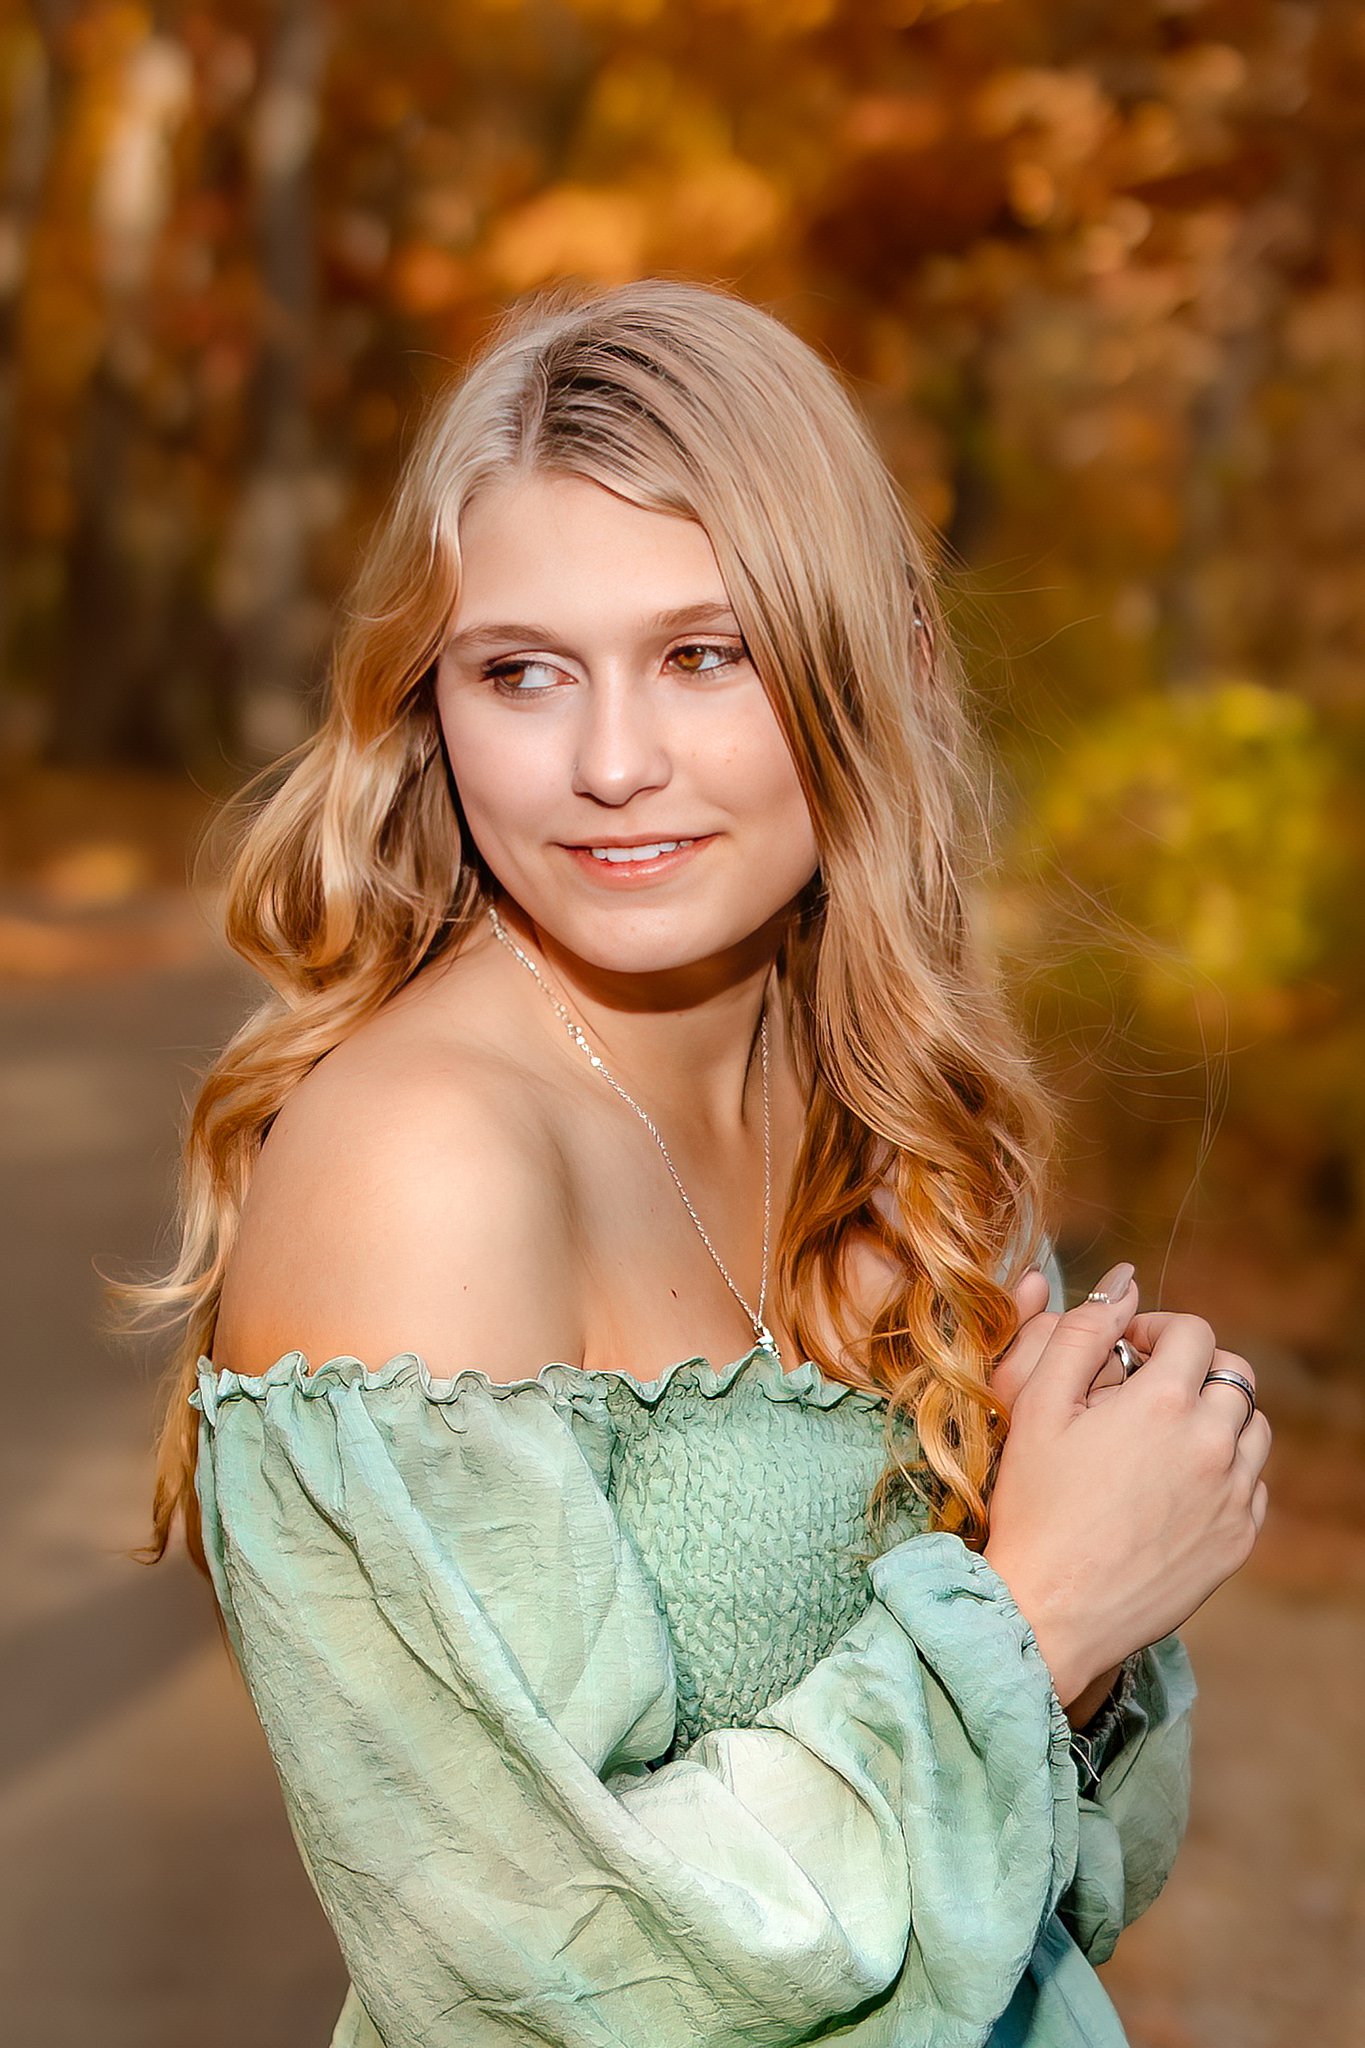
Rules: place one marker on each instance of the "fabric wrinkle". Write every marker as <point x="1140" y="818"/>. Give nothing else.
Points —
<point x="593" y="1732"/>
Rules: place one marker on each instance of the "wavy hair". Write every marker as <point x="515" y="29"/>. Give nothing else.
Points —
<point x="927" y="1127"/>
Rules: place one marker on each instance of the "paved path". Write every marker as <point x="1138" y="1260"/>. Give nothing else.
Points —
<point x="152" y="1897"/>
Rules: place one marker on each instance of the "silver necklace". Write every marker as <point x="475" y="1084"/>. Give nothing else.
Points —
<point x="761" y="1330"/>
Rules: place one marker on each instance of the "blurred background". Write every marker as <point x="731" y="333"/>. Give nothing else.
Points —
<point x="1098" y="276"/>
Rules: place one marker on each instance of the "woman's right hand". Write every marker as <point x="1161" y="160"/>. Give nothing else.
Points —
<point x="1113" y="1519"/>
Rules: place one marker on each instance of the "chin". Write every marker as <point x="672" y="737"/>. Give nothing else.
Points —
<point x="631" y="937"/>
<point x="678" y="945"/>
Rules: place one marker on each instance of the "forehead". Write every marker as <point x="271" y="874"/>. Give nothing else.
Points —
<point x="569" y="540"/>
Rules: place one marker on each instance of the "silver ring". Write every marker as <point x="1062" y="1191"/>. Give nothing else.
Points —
<point x="1129" y="1358"/>
<point x="1233" y="1379"/>
<point x="1097" y="1295"/>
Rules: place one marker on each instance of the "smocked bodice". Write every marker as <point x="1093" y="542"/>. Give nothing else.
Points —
<point x="745" y="1491"/>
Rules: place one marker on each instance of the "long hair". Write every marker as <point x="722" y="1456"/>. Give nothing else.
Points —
<point x="350" y="871"/>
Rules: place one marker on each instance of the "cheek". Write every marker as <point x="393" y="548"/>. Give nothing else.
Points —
<point x="504" y="775"/>
<point x="766" y="790"/>
<point x="788" y="824"/>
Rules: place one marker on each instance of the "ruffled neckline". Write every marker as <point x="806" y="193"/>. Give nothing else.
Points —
<point x="807" y="1383"/>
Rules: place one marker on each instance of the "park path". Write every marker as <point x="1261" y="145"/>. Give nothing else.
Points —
<point x="152" y="1895"/>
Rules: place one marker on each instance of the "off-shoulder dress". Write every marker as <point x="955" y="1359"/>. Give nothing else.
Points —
<point x="594" y="1732"/>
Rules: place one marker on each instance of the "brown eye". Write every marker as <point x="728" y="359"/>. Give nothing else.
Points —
<point x="505" y="675"/>
<point x="728" y="657"/>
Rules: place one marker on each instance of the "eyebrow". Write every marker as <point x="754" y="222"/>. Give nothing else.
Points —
<point x="471" y="638"/>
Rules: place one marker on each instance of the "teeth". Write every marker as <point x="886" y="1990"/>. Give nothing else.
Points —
<point x="624" y="853"/>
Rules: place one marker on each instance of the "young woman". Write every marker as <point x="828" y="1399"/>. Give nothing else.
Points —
<point x="630" y="1015"/>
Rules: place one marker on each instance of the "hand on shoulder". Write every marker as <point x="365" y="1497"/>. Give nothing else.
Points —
<point x="408" y="1197"/>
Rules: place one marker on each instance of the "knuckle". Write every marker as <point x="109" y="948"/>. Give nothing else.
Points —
<point x="1209" y="1446"/>
<point x="1188" y="1333"/>
<point x="1254" y="1501"/>
<point x="1254" y="1439"/>
<point x="1199" y="1330"/>
<point x="1071" y="1340"/>
<point x="1086" y="1317"/>
<point x="1237" y="1528"/>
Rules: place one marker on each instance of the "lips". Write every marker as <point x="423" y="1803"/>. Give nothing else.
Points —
<point x="634" y="860"/>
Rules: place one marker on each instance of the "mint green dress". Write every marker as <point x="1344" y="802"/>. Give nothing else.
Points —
<point x="593" y="1732"/>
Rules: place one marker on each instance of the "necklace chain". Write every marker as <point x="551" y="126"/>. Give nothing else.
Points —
<point x="761" y="1330"/>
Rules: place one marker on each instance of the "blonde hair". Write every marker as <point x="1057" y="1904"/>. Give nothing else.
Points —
<point x="350" y="872"/>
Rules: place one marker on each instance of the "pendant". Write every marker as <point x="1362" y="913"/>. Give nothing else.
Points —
<point x="768" y="1342"/>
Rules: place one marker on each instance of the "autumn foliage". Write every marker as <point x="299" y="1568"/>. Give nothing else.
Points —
<point x="1098" y="274"/>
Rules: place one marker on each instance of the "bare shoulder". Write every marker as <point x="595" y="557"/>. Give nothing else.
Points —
<point x="409" y="1196"/>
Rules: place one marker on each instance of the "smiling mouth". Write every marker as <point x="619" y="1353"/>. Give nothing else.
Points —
<point x="649" y="849"/>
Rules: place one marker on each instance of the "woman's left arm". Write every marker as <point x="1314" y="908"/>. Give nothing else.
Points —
<point x="1134" y="1802"/>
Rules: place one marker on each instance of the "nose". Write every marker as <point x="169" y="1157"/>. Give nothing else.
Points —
<point x="621" y="747"/>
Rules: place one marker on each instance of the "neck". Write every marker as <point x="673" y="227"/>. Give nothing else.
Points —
<point x="684" y="1042"/>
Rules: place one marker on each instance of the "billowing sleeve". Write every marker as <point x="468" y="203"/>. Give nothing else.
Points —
<point x="1131" y="1826"/>
<point x="465" y="1678"/>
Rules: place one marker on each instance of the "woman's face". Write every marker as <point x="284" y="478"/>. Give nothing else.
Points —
<point x="595" y="694"/>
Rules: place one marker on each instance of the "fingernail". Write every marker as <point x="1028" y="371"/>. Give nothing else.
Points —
<point x="1117" y="1280"/>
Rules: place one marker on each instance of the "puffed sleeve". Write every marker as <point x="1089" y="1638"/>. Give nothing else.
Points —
<point x="1132" y="1825"/>
<point x="464" y="1675"/>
